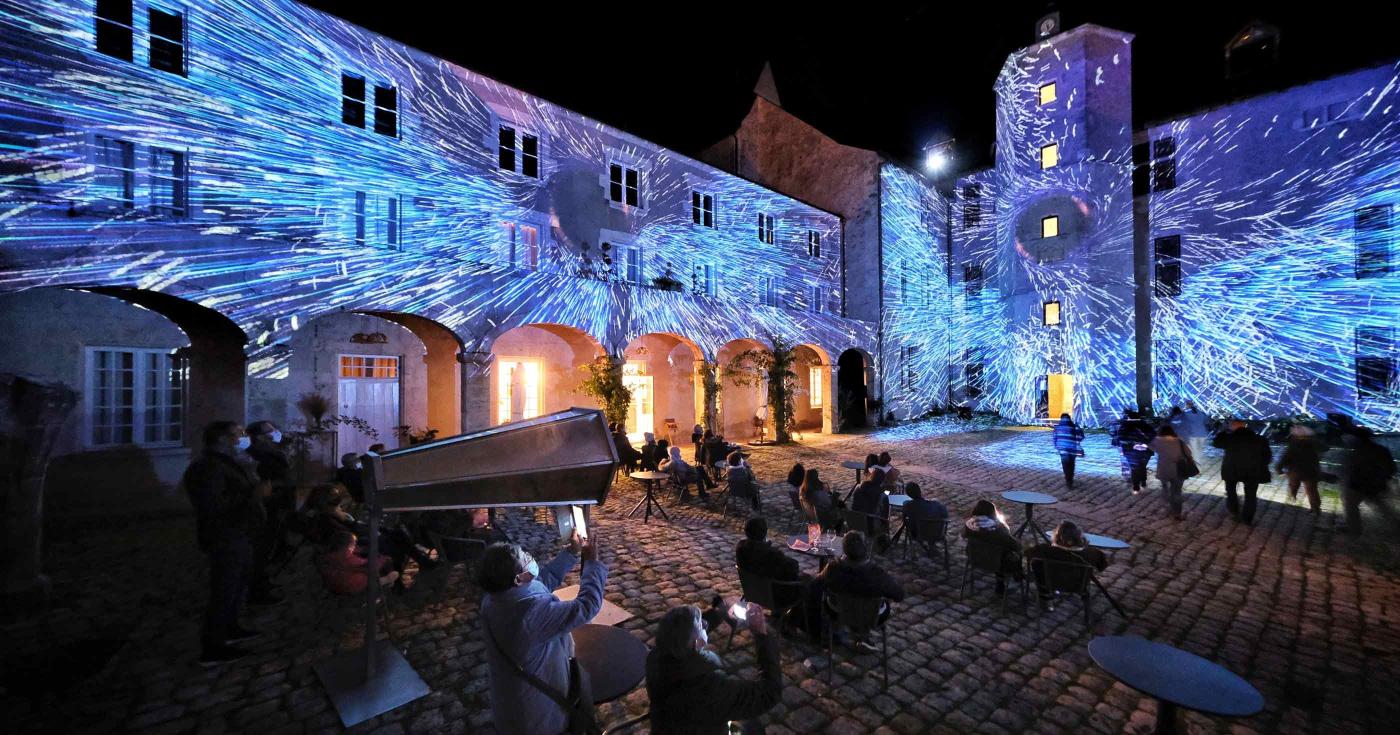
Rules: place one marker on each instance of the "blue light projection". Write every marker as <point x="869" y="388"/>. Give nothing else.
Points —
<point x="917" y="311"/>
<point x="1265" y="204"/>
<point x="270" y="237"/>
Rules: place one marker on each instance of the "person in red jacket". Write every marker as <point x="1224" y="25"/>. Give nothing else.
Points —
<point x="345" y="572"/>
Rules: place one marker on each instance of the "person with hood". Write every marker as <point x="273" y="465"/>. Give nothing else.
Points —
<point x="1301" y="462"/>
<point x="690" y="691"/>
<point x="1246" y="462"/>
<point x="1366" y="474"/>
<point x="684" y="473"/>
<point x="985" y="525"/>
<point x="1171" y="450"/>
<point x="1133" y="437"/>
<point x="527" y="628"/>
<point x="1193" y="429"/>
<point x="651" y="453"/>
<point x="1068" y="438"/>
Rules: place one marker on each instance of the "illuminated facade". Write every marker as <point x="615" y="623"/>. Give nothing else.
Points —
<point x="315" y="206"/>
<point x="1243" y="257"/>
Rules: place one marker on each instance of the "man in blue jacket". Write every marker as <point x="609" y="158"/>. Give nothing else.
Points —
<point x="526" y="626"/>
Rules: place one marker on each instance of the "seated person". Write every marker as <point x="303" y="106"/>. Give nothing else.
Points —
<point x="652" y="453"/>
<point x="817" y="502"/>
<point x="346" y="572"/>
<point x="688" y="686"/>
<point x="920" y="509"/>
<point x="328" y="517"/>
<point x="871" y="460"/>
<point x="683" y="473"/>
<point x="716" y="450"/>
<point x="854" y="575"/>
<point x="482" y="529"/>
<point x="886" y="466"/>
<point x="755" y="555"/>
<point x="741" y="480"/>
<point x="1067" y="545"/>
<point x="796" y="475"/>
<point x="985" y="525"/>
<point x="870" y="497"/>
<point x="626" y="453"/>
<point x="348" y="475"/>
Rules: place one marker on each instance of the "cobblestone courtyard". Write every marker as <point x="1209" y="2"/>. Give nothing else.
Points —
<point x="1309" y="616"/>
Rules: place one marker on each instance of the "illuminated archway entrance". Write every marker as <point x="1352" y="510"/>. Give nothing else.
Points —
<point x="537" y="370"/>
<point x="660" y="369"/>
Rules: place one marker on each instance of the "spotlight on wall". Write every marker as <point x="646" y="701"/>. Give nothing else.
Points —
<point x="938" y="157"/>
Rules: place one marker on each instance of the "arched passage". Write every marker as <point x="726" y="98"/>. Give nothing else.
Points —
<point x="855" y="375"/>
<point x="444" y="374"/>
<point x="667" y="396"/>
<point x="739" y="406"/>
<point x="536" y="369"/>
<point x="813" y="402"/>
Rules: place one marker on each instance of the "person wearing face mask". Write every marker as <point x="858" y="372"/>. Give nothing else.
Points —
<point x="222" y="488"/>
<point x="275" y="472"/>
<point x="687" y="684"/>
<point x="349" y="475"/>
<point x="528" y="629"/>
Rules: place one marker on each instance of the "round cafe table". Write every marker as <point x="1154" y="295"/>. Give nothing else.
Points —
<point x="649" y="479"/>
<point x="1107" y="543"/>
<point x="615" y="660"/>
<point x="1176" y="678"/>
<point x="1030" y="500"/>
<point x="859" y="467"/>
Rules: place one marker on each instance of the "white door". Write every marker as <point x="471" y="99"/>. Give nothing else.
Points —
<point x="368" y="390"/>
<point x="641" y="413"/>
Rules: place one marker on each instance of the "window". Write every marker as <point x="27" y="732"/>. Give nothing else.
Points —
<point x="1047" y="93"/>
<point x="360" y="218"/>
<point x="1375" y="362"/>
<point x="814" y="243"/>
<point x="765" y="228"/>
<point x="519" y="152"/>
<point x="167" y="41"/>
<point x="703" y="279"/>
<point x="768" y="291"/>
<point x="624" y="185"/>
<point x="818" y="302"/>
<point x="1167" y="257"/>
<point x="169" y="182"/>
<point x="814" y="386"/>
<point x="702" y="209"/>
<point x="627" y="263"/>
<point x="1164" y="163"/>
<point x="352" y="100"/>
<point x="1051" y="313"/>
<point x="974" y="373"/>
<point x="1050" y="226"/>
<point x="972" y="279"/>
<point x="972" y="205"/>
<point x="911" y="374"/>
<point x="1372" y="234"/>
<point x="386" y="111"/>
<point x="369" y="367"/>
<point x="524" y="245"/>
<point x="391" y="222"/>
<point x="903" y="280"/>
<point x="114" y="172"/>
<point x="1049" y="155"/>
<point x="519" y="385"/>
<point x="114" y="31"/>
<point x="134" y="396"/>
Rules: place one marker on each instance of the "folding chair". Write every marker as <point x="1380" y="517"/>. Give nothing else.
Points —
<point x="1062" y="576"/>
<point x="764" y="592"/>
<point x="984" y="556"/>
<point x="455" y="550"/>
<point x="933" y="532"/>
<point x="860" y="615"/>
<point x="870" y="525"/>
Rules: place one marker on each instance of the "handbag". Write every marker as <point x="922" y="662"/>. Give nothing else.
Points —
<point x="1186" y="466"/>
<point x="577" y="704"/>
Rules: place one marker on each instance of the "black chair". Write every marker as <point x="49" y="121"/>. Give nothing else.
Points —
<point x="984" y="556"/>
<point x="860" y="615"/>
<point x="627" y="724"/>
<point x="868" y="524"/>
<point x="675" y="483"/>
<point x="453" y="550"/>
<point x="1055" y="577"/>
<point x="933" y="532"/>
<point x="799" y="513"/>
<point x="766" y="592"/>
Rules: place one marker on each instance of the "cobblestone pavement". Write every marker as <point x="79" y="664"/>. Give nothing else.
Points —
<point x="1307" y="615"/>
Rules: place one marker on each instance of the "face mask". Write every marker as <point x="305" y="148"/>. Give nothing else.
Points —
<point x="359" y="466"/>
<point x="533" y="568"/>
<point x="243" y="443"/>
<point x="276" y="437"/>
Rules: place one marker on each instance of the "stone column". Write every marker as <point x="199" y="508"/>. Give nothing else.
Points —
<point x="476" y="390"/>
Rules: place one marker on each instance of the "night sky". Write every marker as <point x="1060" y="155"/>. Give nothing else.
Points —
<point x="888" y="76"/>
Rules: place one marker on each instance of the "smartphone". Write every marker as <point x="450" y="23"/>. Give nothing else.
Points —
<point x="740" y="610"/>
<point x="580" y="523"/>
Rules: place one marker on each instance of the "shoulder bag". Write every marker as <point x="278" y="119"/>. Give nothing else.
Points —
<point x="577" y="704"/>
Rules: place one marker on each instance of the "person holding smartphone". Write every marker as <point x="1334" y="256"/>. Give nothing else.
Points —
<point x="689" y="689"/>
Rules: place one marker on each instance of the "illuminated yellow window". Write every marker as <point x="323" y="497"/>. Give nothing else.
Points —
<point x="1049" y="155"/>
<point x="369" y="367"/>
<point x="1052" y="313"/>
<point x="1050" y="226"/>
<point x="815" y="375"/>
<point x="1047" y="93"/>
<point x="518" y="389"/>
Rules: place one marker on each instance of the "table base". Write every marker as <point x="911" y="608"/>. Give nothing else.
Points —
<point x="649" y="501"/>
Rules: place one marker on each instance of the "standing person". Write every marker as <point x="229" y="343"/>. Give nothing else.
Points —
<point x="1068" y="440"/>
<point x="1366" y="474"/>
<point x="527" y="627"/>
<point x="1170" y="451"/>
<point x="1301" y="461"/>
<point x="275" y="472"/>
<point x="1246" y="462"/>
<point x="228" y="514"/>
<point x="697" y="433"/>
<point x="1196" y="431"/>
<point x="1133" y="437"/>
<point x="688" y="687"/>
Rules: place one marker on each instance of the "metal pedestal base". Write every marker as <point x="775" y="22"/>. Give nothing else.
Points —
<point x="394" y="683"/>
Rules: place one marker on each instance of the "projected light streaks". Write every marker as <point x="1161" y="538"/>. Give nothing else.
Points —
<point x="270" y="236"/>
<point x="1265" y="204"/>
